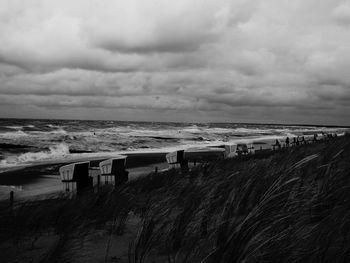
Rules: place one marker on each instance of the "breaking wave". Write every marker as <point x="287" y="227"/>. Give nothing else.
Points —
<point x="52" y="140"/>
<point x="58" y="151"/>
<point x="14" y="135"/>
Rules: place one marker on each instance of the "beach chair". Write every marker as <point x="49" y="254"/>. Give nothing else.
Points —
<point x="113" y="170"/>
<point x="75" y="177"/>
<point x="176" y="159"/>
<point x="230" y="150"/>
<point x="242" y="149"/>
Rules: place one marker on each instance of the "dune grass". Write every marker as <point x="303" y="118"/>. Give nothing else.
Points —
<point x="292" y="206"/>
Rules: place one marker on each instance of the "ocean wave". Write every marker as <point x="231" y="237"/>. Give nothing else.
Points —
<point x="100" y="138"/>
<point x="14" y="135"/>
<point x="53" y="126"/>
<point x="15" y="127"/>
<point x="193" y="129"/>
<point x="58" y="131"/>
<point x="19" y="127"/>
<point x="57" y="151"/>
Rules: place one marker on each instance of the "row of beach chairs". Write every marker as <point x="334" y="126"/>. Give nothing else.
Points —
<point x="181" y="158"/>
<point x="81" y="177"/>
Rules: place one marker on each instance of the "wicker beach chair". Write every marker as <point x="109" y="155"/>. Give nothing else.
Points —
<point x="113" y="170"/>
<point x="75" y="177"/>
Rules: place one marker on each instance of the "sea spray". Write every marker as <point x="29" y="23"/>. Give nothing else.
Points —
<point x="55" y="152"/>
<point x="13" y="135"/>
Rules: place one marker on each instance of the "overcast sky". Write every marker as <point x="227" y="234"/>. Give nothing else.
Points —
<point x="276" y="61"/>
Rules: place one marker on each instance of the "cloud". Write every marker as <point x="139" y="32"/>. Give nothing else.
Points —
<point x="205" y="60"/>
<point x="95" y="36"/>
<point x="341" y="13"/>
<point x="158" y="26"/>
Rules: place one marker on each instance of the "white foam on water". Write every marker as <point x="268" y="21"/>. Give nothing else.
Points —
<point x="55" y="152"/>
<point x="13" y="135"/>
<point x="143" y="132"/>
<point x="15" y="127"/>
<point x="53" y="126"/>
<point x="193" y="129"/>
<point x="58" y="131"/>
<point x="60" y="153"/>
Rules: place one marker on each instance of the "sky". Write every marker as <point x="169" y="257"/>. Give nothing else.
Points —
<point x="276" y="61"/>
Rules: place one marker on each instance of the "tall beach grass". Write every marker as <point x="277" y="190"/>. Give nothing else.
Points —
<point x="291" y="206"/>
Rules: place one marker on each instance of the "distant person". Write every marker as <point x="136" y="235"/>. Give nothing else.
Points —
<point x="297" y="141"/>
<point x="294" y="141"/>
<point x="315" y="137"/>
<point x="287" y="142"/>
<point x="303" y="140"/>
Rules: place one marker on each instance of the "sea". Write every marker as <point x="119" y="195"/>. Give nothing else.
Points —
<point x="29" y="142"/>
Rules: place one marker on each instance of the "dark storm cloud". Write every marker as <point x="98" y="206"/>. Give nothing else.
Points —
<point x="336" y="93"/>
<point x="171" y="44"/>
<point x="218" y="60"/>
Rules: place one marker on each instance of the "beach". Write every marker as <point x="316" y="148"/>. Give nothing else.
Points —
<point x="31" y="151"/>
<point x="177" y="213"/>
<point x="200" y="214"/>
<point x="41" y="179"/>
<point x="44" y="179"/>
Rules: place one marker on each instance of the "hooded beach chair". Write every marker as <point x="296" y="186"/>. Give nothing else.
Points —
<point x="242" y="149"/>
<point x="176" y="159"/>
<point x="75" y="177"/>
<point x="113" y="170"/>
<point x="230" y="150"/>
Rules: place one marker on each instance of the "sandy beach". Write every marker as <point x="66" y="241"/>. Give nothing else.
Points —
<point x="41" y="181"/>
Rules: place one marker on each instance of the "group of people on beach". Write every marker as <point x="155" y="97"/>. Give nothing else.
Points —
<point x="300" y="140"/>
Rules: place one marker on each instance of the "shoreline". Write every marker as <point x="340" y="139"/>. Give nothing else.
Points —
<point x="43" y="179"/>
<point x="81" y="157"/>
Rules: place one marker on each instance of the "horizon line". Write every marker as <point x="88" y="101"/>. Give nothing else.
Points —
<point x="244" y="123"/>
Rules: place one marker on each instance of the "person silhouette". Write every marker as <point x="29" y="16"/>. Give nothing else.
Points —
<point x="294" y="141"/>
<point x="277" y="143"/>
<point x="287" y="142"/>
